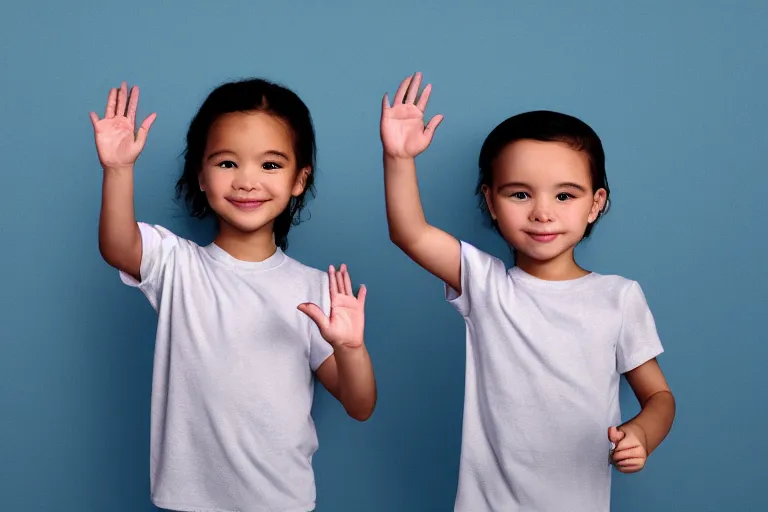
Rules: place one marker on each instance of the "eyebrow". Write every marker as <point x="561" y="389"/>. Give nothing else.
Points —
<point x="519" y="184"/>
<point x="271" y="152"/>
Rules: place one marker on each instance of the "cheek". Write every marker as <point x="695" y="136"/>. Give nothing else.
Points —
<point x="579" y="215"/>
<point x="509" y="213"/>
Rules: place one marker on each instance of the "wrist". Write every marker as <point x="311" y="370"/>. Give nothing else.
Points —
<point x="348" y="348"/>
<point x="395" y="160"/>
<point x="118" y="170"/>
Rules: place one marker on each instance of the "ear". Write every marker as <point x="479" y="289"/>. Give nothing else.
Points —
<point x="486" y="190"/>
<point x="201" y="181"/>
<point x="598" y="204"/>
<point x="301" y="181"/>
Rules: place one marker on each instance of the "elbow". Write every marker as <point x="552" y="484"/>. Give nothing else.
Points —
<point x="107" y="254"/>
<point x="362" y="412"/>
<point x="361" y="415"/>
<point x="402" y="242"/>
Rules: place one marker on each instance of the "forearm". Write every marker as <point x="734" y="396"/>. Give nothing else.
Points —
<point x="655" y="419"/>
<point x="119" y="237"/>
<point x="356" y="382"/>
<point x="405" y="214"/>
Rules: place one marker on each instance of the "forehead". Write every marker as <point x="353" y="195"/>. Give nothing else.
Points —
<point x="541" y="164"/>
<point x="250" y="131"/>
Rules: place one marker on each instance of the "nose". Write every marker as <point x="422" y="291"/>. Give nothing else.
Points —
<point x="246" y="178"/>
<point x="540" y="213"/>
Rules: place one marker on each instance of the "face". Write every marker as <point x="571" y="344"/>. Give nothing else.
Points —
<point x="542" y="198"/>
<point x="249" y="170"/>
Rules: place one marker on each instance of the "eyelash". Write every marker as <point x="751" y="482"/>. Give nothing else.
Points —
<point x="267" y="166"/>
<point x="567" y="196"/>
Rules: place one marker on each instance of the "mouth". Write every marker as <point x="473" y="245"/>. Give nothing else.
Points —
<point x="543" y="237"/>
<point x="246" y="204"/>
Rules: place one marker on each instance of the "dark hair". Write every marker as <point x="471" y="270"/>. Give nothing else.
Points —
<point x="247" y="96"/>
<point x="544" y="126"/>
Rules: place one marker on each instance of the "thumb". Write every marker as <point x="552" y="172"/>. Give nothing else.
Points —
<point x="361" y="293"/>
<point x="316" y="314"/>
<point x="615" y="435"/>
<point x="141" y="136"/>
<point x="432" y="126"/>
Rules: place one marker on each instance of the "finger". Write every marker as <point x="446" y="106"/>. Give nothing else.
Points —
<point x="432" y="126"/>
<point x="361" y="294"/>
<point x="122" y="99"/>
<point x="109" y="112"/>
<point x="141" y="136"/>
<point x="334" y="285"/>
<point x="385" y="102"/>
<point x="615" y="435"/>
<point x="631" y="453"/>
<point x="627" y="442"/>
<point x="424" y="98"/>
<point x="635" y="463"/>
<point x="347" y="281"/>
<point x="315" y="314"/>
<point x="340" y="282"/>
<point x="400" y="94"/>
<point x="94" y="118"/>
<point x="413" y="89"/>
<point x="133" y="103"/>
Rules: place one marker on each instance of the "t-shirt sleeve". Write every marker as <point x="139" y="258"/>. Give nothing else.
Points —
<point x="479" y="273"/>
<point x="319" y="349"/>
<point x="157" y="248"/>
<point x="638" y="340"/>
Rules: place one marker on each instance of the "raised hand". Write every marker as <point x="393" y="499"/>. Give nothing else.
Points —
<point x="344" y="328"/>
<point x="403" y="133"/>
<point x="117" y="143"/>
<point x="629" y="453"/>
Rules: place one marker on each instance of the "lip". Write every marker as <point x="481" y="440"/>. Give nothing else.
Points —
<point x="246" y="204"/>
<point x="543" y="237"/>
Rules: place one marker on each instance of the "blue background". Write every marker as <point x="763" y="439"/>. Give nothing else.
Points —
<point x="677" y="90"/>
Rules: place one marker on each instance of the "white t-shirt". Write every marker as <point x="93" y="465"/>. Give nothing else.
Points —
<point x="233" y="382"/>
<point x="544" y="359"/>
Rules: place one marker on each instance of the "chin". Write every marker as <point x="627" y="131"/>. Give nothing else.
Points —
<point x="543" y="254"/>
<point x="245" y="223"/>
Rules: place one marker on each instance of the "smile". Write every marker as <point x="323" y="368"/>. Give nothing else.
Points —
<point x="246" y="204"/>
<point x="543" y="237"/>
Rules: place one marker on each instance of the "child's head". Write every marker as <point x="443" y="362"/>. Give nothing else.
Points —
<point x="250" y="158"/>
<point x="543" y="182"/>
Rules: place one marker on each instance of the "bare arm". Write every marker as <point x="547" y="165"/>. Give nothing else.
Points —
<point x="119" y="238"/>
<point x="658" y="405"/>
<point x="348" y="373"/>
<point x="636" y="439"/>
<point x="403" y="137"/>
<point x="348" y="376"/>
<point x="118" y="148"/>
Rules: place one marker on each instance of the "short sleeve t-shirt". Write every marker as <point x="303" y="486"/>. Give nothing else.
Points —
<point x="232" y="390"/>
<point x="544" y="360"/>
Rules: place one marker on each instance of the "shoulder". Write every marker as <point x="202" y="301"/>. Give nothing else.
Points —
<point x="161" y="235"/>
<point x="479" y="265"/>
<point x="622" y="290"/>
<point x="301" y="274"/>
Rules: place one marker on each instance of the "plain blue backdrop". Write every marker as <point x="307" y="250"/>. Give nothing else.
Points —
<point x="677" y="91"/>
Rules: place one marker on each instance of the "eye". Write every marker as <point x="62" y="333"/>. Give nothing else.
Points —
<point x="521" y="196"/>
<point x="271" y="166"/>
<point x="227" y="164"/>
<point x="563" y="196"/>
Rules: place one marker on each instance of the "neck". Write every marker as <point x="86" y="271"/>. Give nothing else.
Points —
<point x="253" y="246"/>
<point x="559" y="268"/>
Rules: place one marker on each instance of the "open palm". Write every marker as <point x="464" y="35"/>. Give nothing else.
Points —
<point x="403" y="133"/>
<point x="345" y="326"/>
<point x="116" y="141"/>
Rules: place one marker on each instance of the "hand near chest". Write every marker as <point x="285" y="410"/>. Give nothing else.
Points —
<point x="345" y="325"/>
